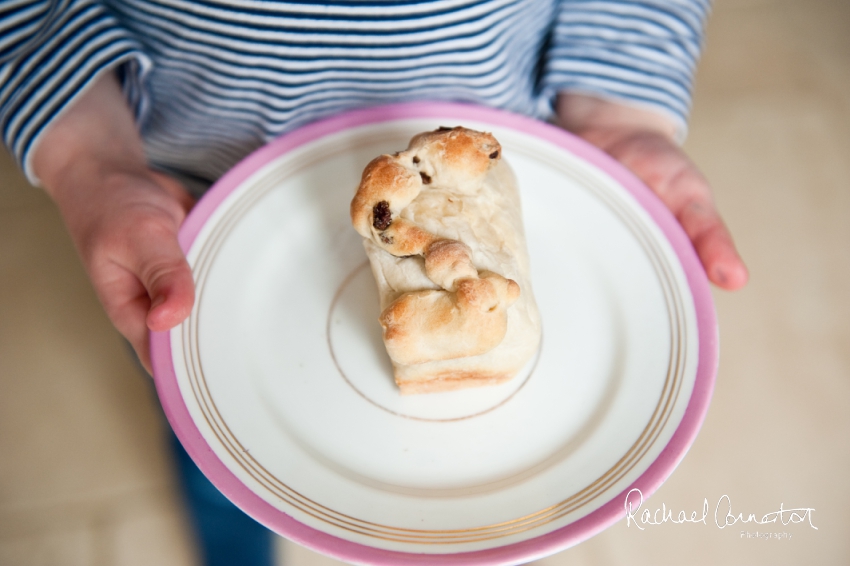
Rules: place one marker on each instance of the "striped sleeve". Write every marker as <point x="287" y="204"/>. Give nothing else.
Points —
<point x="50" y="51"/>
<point x="638" y="52"/>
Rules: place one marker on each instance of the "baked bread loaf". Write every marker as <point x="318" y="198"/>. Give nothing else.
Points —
<point x="442" y="228"/>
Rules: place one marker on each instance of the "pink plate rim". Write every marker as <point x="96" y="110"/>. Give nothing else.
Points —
<point x="544" y="545"/>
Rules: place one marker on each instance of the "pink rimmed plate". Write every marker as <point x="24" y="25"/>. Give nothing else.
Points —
<point x="279" y="387"/>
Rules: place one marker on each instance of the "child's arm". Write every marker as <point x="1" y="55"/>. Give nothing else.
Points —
<point x="643" y="141"/>
<point x="122" y="216"/>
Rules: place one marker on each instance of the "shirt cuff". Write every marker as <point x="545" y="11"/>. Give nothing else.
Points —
<point x="641" y="54"/>
<point x="76" y="43"/>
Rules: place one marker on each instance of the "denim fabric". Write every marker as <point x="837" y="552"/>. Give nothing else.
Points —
<point x="226" y="535"/>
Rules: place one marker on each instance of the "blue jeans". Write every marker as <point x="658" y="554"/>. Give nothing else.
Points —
<point x="226" y="536"/>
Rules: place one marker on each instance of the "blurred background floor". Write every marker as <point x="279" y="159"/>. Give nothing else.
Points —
<point x="84" y="472"/>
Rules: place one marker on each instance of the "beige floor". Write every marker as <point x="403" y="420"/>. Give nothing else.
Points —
<point x="84" y="477"/>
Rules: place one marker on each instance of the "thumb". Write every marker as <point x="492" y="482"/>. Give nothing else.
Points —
<point x="165" y="274"/>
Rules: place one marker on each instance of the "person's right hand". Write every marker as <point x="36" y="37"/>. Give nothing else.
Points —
<point x="122" y="216"/>
<point x="125" y="231"/>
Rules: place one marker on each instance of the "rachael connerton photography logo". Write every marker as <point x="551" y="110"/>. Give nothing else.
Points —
<point x="723" y="517"/>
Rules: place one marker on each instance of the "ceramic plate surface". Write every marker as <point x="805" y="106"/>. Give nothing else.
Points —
<point x="279" y="386"/>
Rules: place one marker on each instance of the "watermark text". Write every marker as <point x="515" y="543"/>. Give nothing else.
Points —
<point x="723" y="516"/>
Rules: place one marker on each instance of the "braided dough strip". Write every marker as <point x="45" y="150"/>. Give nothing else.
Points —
<point x="442" y="229"/>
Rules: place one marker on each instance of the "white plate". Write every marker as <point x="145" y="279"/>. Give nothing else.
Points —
<point x="280" y="388"/>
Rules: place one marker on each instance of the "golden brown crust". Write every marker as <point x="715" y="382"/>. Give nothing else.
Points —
<point x="452" y="381"/>
<point x="431" y="325"/>
<point x="403" y="238"/>
<point x="384" y="179"/>
<point x="459" y="158"/>
<point x="447" y="261"/>
<point x="462" y="154"/>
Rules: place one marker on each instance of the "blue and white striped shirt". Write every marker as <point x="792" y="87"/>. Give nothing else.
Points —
<point x="211" y="80"/>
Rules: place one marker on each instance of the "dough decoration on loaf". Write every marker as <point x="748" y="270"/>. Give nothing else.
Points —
<point x="466" y="313"/>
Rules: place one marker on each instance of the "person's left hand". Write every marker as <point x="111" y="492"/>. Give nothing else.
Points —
<point x="644" y="142"/>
